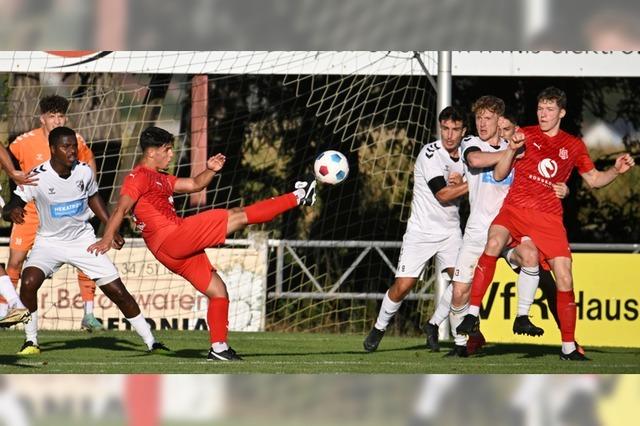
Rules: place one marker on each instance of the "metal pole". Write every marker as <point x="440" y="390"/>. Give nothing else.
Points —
<point x="444" y="80"/>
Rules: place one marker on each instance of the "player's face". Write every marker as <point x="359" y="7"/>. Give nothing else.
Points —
<point x="163" y="156"/>
<point x="486" y="124"/>
<point x="52" y="120"/>
<point x="66" y="151"/>
<point x="451" y="133"/>
<point x="549" y="115"/>
<point x="506" y="128"/>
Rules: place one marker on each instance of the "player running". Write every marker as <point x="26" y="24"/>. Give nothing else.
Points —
<point x="179" y="243"/>
<point x="30" y="150"/>
<point x="433" y="228"/>
<point x="532" y="209"/>
<point x="64" y="193"/>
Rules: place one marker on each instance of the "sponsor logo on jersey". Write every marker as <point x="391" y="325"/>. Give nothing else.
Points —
<point x="547" y="168"/>
<point x="487" y="177"/>
<point x="67" y="209"/>
<point x="564" y="153"/>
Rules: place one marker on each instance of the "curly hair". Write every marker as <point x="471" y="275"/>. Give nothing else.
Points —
<point x="54" y="104"/>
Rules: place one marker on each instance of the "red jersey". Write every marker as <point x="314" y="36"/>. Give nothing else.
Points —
<point x="153" y="212"/>
<point x="547" y="160"/>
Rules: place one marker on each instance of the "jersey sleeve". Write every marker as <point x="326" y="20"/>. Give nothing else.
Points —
<point x="583" y="161"/>
<point x="430" y="165"/>
<point x="172" y="181"/>
<point x="134" y="185"/>
<point x="25" y="192"/>
<point x="92" y="186"/>
<point x="84" y="152"/>
<point x="469" y="144"/>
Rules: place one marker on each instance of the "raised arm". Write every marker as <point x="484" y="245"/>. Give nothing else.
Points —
<point x="478" y="159"/>
<point x="599" y="179"/>
<point x="505" y="163"/>
<point x="125" y="204"/>
<point x="200" y="182"/>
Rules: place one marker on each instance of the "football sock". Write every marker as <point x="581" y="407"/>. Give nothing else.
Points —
<point x="387" y="311"/>
<point x="141" y="326"/>
<point x="218" y="319"/>
<point x="444" y="306"/>
<point x="527" y="286"/>
<point x="87" y="288"/>
<point x="455" y="318"/>
<point x="8" y="291"/>
<point x="219" y="346"/>
<point x="568" y="347"/>
<point x="31" y="328"/>
<point x="482" y="277"/>
<point x="88" y="308"/>
<point x="266" y="210"/>
<point x="567" y="313"/>
<point x="142" y="400"/>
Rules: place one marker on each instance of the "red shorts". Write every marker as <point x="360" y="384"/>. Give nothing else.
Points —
<point x="545" y="230"/>
<point x="183" y="250"/>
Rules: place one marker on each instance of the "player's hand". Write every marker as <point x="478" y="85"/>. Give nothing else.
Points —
<point x="561" y="190"/>
<point x="624" y="163"/>
<point x="101" y="247"/>
<point x="118" y="242"/>
<point x="16" y="215"/>
<point x="455" y="179"/>
<point x="216" y="162"/>
<point x="20" y="178"/>
<point x="516" y="141"/>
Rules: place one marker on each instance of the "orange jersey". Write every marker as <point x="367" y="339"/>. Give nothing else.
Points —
<point x="32" y="149"/>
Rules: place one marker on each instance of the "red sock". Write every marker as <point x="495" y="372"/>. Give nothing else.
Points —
<point x="482" y="277"/>
<point x="142" y="399"/>
<point x="218" y="319"/>
<point x="567" y="312"/>
<point x="266" y="210"/>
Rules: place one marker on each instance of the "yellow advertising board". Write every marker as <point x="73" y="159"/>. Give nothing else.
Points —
<point x="607" y="290"/>
<point x="166" y="299"/>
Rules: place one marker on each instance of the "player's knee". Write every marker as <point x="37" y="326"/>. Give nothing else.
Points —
<point x="29" y="284"/>
<point x="564" y="282"/>
<point x="494" y="246"/>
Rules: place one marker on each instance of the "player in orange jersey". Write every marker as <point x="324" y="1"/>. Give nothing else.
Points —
<point x="31" y="149"/>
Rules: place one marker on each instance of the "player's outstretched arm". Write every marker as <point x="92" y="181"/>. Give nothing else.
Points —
<point x="14" y="210"/>
<point x="599" y="179"/>
<point x="200" y="182"/>
<point x="97" y="205"/>
<point x="505" y="164"/>
<point x="18" y="176"/>
<point x="480" y="159"/>
<point x="125" y="204"/>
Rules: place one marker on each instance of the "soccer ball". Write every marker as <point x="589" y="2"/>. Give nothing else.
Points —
<point x="331" y="167"/>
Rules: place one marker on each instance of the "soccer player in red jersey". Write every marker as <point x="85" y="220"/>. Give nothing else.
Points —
<point x="179" y="243"/>
<point x="532" y="209"/>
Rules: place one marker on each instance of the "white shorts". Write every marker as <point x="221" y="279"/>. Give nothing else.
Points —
<point x="417" y="250"/>
<point x="467" y="260"/>
<point x="50" y="255"/>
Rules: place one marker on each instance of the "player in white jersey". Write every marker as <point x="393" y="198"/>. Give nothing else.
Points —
<point x="433" y="228"/>
<point x="65" y="192"/>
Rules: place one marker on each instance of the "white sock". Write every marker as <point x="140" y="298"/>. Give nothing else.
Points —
<point x="299" y="193"/>
<point x="455" y="319"/>
<point x="141" y="326"/>
<point x="219" y="346"/>
<point x="474" y="310"/>
<point x="527" y="286"/>
<point x="387" y="311"/>
<point x="8" y="291"/>
<point x="568" y="347"/>
<point x="443" y="308"/>
<point x="88" y="307"/>
<point x="31" y="328"/>
<point x="4" y="310"/>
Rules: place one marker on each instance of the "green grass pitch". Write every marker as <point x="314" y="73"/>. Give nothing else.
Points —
<point x="271" y="352"/>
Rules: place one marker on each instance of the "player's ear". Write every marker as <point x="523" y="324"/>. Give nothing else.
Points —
<point x="464" y="131"/>
<point x="563" y="112"/>
<point x="42" y="119"/>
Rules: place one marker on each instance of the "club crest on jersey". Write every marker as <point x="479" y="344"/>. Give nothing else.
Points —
<point x="80" y="185"/>
<point x="39" y="157"/>
<point x="564" y="153"/>
<point x="547" y="168"/>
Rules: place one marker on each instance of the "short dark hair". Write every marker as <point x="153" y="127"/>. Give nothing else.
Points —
<point x="54" y="104"/>
<point x="554" y="94"/>
<point x="510" y="115"/>
<point x="155" y="137"/>
<point x="56" y="135"/>
<point x="453" y="114"/>
<point x="488" y="103"/>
